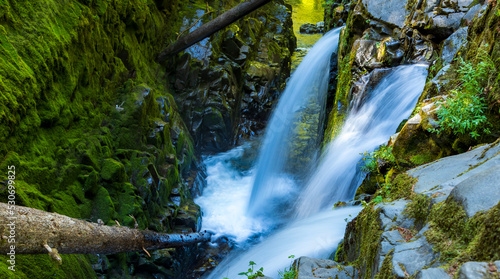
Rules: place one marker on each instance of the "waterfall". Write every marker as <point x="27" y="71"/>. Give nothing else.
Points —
<point x="307" y="87"/>
<point x="337" y="177"/>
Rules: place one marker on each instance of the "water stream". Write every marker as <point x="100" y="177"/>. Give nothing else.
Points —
<point x="307" y="87"/>
<point x="244" y="203"/>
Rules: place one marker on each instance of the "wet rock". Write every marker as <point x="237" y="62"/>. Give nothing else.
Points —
<point x="390" y="52"/>
<point x="453" y="44"/>
<point x="392" y="12"/>
<point x="310" y="268"/>
<point x="479" y="192"/>
<point x="366" y="52"/>
<point x="360" y="90"/>
<point x="473" y="270"/>
<point x="412" y="256"/>
<point x="442" y="26"/>
<point x="432" y="273"/>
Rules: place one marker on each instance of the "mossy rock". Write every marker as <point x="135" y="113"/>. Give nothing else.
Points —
<point x="113" y="171"/>
<point x="102" y="206"/>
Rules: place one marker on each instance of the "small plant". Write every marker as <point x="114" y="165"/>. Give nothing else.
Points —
<point x="384" y="153"/>
<point x="464" y="112"/>
<point x="250" y="272"/>
<point x="290" y="272"/>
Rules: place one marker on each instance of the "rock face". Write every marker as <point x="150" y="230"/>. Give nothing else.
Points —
<point x="392" y="12"/>
<point x="471" y="176"/>
<point x="228" y="93"/>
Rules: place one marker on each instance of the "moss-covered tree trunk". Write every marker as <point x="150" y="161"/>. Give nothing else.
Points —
<point x="26" y="230"/>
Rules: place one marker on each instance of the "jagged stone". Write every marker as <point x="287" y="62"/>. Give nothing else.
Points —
<point x="479" y="192"/>
<point x="310" y="268"/>
<point x="412" y="256"/>
<point x="453" y="44"/>
<point x="366" y="52"/>
<point x="432" y="273"/>
<point x="475" y="10"/>
<point x="473" y="270"/>
<point x="391" y="214"/>
<point x="442" y="26"/>
<point x="391" y="11"/>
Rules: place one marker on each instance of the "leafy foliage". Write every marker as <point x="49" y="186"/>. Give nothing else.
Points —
<point x="464" y="111"/>
<point x="289" y="272"/>
<point x="250" y="274"/>
<point x="371" y="160"/>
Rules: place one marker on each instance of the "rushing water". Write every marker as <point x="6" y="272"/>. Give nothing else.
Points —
<point x="315" y="228"/>
<point x="308" y="85"/>
<point x="390" y="102"/>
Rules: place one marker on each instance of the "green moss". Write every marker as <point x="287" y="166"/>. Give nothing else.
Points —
<point x="460" y="239"/>
<point x="113" y="170"/>
<point x="401" y="186"/>
<point x="385" y="271"/>
<point x="339" y="254"/>
<point x="485" y="243"/>
<point x="41" y="266"/>
<point x="363" y="242"/>
<point x="418" y="209"/>
<point x="103" y="207"/>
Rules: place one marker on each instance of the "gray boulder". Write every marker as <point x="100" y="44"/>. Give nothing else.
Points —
<point x="473" y="270"/>
<point x="310" y="268"/>
<point x="412" y="256"/>
<point x="391" y="214"/>
<point x="441" y="176"/>
<point x="389" y="11"/>
<point x="453" y="44"/>
<point x="479" y="192"/>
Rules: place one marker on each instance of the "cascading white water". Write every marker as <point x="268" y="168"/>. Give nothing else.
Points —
<point x="337" y="177"/>
<point x="308" y="84"/>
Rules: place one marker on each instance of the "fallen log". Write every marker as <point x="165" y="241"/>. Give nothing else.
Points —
<point x="26" y="230"/>
<point x="211" y="27"/>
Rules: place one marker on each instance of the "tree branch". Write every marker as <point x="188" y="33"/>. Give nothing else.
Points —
<point x="34" y="229"/>
<point x="211" y="27"/>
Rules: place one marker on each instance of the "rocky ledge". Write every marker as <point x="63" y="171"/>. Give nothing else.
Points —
<point x="448" y="226"/>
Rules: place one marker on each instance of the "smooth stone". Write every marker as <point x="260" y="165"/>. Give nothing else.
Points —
<point x="473" y="270"/>
<point x="479" y="192"/>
